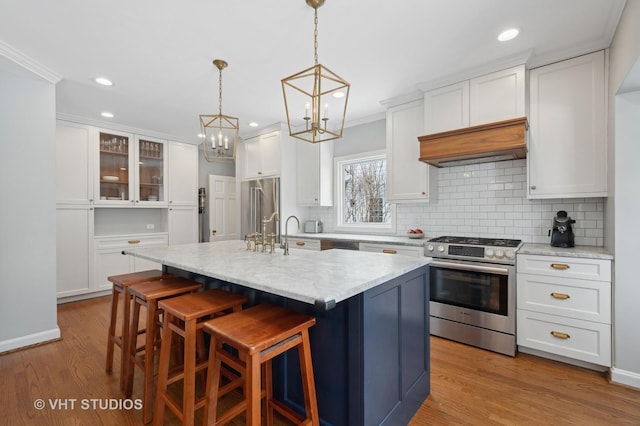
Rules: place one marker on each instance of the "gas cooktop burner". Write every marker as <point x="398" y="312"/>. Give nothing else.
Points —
<point x="494" y="242"/>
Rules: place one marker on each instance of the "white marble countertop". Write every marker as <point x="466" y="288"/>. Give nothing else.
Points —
<point x="578" y="251"/>
<point x="391" y="239"/>
<point x="322" y="278"/>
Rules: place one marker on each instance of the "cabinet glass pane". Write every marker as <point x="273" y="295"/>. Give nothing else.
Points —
<point x="114" y="167"/>
<point x="150" y="164"/>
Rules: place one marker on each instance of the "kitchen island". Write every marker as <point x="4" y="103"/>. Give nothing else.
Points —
<point x="370" y="344"/>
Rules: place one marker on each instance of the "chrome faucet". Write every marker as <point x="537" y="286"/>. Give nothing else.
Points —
<point x="286" y="234"/>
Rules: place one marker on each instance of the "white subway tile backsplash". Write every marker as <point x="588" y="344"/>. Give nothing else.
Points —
<point x="489" y="200"/>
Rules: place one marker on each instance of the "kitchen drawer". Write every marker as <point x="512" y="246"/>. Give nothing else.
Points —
<point x="306" y="244"/>
<point x="567" y="267"/>
<point x="577" y="339"/>
<point x="126" y="241"/>
<point x="580" y="299"/>
<point x="415" y="251"/>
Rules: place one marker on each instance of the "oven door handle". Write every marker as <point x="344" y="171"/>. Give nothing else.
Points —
<point x="470" y="267"/>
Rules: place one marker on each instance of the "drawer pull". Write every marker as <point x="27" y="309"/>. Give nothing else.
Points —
<point x="561" y="266"/>
<point x="560" y="296"/>
<point x="134" y="241"/>
<point x="389" y="251"/>
<point x="299" y="243"/>
<point x="560" y="335"/>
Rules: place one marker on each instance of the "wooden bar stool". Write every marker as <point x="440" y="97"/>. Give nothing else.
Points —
<point x="121" y="285"/>
<point x="259" y="334"/>
<point x="185" y="316"/>
<point x="148" y="294"/>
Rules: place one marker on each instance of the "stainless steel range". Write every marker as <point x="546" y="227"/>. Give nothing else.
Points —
<point x="473" y="297"/>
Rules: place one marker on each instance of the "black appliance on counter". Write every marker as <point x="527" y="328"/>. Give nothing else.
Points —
<point x="473" y="291"/>
<point x="562" y="231"/>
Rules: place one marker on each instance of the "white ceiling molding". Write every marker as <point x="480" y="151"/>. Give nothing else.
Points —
<point x="28" y="63"/>
<point x="498" y="65"/>
<point x="122" y="128"/>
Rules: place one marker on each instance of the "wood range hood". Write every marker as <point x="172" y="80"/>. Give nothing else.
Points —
<point x="499" y="141"/>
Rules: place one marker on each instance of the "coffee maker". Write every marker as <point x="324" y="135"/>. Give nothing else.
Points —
<point x="562" y="231"/>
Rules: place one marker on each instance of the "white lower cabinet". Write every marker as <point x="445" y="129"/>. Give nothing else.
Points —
<point x="564" y="307"/>
<point x="415" y="251"/>
<point x="109" y="259"/>
<point x="304" y="243"/>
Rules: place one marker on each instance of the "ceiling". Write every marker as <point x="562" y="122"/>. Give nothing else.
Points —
<point x="159" y="53"/>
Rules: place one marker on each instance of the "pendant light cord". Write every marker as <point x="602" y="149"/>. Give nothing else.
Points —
<point x="315" y="35"/>
<point x="220" y="91"/>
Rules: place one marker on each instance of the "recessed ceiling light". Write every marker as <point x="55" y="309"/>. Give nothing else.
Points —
<point x="509" y="34"/>
<point x="253" y="124"/>
<point x="338" y="95"/>
<point x="104" y="81"/>
<point x="201" y="136"/>
<point x="107" y="114"/>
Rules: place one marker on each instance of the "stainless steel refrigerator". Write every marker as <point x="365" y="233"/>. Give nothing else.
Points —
<point x="260" y="199"/>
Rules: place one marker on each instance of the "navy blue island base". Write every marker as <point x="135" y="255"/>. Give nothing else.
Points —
<point x="370" y="352"/>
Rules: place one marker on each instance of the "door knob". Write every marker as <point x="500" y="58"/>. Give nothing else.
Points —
<point x="213" y="232"/>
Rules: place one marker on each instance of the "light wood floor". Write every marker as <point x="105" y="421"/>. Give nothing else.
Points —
<point x="469" y="386"/>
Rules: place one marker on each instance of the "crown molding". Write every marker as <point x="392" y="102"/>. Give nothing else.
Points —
<point x="122" y="128"/>
<point x="29" y="63"/>
<point x="467" y="74"/>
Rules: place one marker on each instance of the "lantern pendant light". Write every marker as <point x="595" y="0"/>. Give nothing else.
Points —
<point x="315" y="99"/>
<point x="219" y="132"/>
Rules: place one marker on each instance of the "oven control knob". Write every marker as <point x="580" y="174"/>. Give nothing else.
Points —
<point x="499" y="254"/>
<point x="488" y="253"/>
<point x="441" y="249"/>
<point x="509" y="254"/>
<point x="430" y="247"/>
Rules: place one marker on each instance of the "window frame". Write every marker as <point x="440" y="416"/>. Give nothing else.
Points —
<point x="360" y="228"/>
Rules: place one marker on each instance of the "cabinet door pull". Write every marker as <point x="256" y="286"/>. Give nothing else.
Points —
<point x="560" y="335"/>
<point x="389" y="251"/>
<point x="134" y="241"/>
<point x="562" y="296"/>
<point x="561" y="266"/>
<point x="299" y="243"/>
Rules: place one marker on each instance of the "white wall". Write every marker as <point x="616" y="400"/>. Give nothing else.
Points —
<point x="27" y="213"/>
<point x="624" y="114"/>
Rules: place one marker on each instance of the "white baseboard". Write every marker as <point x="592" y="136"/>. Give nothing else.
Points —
<point x="85" y="296"/>
<point x="29" y="340"/>
<point x="622" y="377"/>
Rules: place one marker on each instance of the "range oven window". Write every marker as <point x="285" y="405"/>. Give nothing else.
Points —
<point x="474" y="290"/>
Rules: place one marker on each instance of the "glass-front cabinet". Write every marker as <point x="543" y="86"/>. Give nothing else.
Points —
<point x="132" y="170"/>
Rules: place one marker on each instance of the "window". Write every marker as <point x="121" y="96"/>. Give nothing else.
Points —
<point x="361" y="193"/>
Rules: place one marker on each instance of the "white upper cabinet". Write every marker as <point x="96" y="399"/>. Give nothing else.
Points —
<point x="183" y="174"/>
<point x="74" y="164"/>
<point x="497" y="96"/>
<point x="492" y="97"/>
<point x="262" y="156"/>
<point x="131" y="170"/>
<point x="314" y="173"/>
<point x="446" y="108"/>
<point x="567" y="138"/>
<point x="408" y="179"/>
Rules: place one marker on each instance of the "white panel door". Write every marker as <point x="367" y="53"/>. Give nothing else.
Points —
<point x="446" y="108"/>
<point x="224" y="221"/>
<point x="74" y="168"/>
<point x="74" y="230"/>
<point x="183" y="174"/>
<point x="183" y="225"/>
<point x="497" y="96"/>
